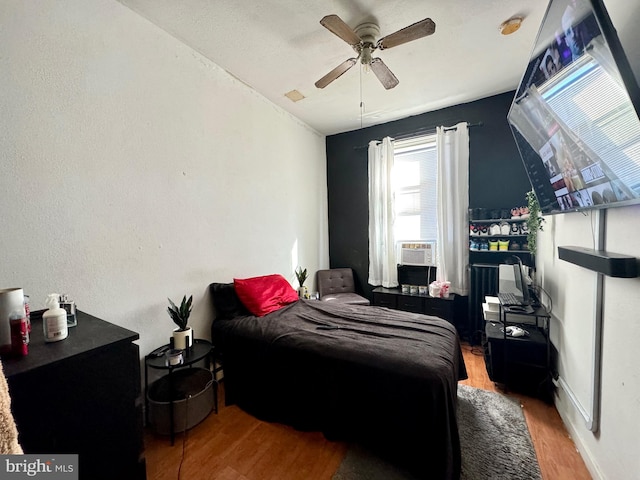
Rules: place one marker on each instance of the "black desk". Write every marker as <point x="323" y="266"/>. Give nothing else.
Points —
<point x="81" y="395"/>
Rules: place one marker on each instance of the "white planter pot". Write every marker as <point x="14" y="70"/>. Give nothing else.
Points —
<point x="183" y="340"/>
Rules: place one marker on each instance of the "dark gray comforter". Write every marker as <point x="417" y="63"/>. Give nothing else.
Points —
<point x="382" y="377"/>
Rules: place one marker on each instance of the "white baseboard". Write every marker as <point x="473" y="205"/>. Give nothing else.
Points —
<point x="570" y="416"/>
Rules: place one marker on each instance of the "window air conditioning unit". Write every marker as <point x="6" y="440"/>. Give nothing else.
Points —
<point x="418" y="254"/>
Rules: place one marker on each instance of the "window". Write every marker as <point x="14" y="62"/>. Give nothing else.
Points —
<point x="405" y="205"/>
<point x="415" y="171"/>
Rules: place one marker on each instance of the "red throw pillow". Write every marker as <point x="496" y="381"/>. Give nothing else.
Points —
<point x="266" y="294"/>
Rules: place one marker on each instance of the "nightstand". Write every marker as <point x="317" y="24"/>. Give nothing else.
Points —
<point x="182" y="394"/>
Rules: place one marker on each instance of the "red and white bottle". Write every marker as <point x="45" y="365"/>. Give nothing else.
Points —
<point x="19" y="333"/>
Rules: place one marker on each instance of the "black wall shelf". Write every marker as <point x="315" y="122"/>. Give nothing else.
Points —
<point x="611" y="264"/>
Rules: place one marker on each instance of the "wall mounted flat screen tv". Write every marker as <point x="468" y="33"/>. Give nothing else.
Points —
<point x="575" y="113"/>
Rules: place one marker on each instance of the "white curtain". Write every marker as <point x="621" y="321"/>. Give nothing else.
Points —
<point x="453" y="204"/>
<point x="382" y="256"/>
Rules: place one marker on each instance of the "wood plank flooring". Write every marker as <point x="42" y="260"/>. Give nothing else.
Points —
<point x="233" y="445"/>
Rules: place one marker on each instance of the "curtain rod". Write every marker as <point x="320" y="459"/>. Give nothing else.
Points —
<point x="469" y="125"/>
<point x="421" y="131"/>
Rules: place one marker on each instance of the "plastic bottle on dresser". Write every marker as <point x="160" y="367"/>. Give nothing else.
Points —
<point x="19" y="333"/>
<point x="27" y="311"/>
<point x="54" y="320"/>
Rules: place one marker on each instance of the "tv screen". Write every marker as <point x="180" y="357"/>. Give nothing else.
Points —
<point x="575" y="113"/>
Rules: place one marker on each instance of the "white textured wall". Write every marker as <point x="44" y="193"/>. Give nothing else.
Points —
<point x="134" y="169"/>
<point x="612" y="453"/>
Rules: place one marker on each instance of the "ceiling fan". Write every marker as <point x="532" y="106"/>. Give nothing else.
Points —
<point x="363" y="41"/>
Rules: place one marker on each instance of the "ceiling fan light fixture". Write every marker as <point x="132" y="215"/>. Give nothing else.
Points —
<point x="511" y="26"/>
<point x="365" y="55"/>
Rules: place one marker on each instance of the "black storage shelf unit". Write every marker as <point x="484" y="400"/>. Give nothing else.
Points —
<point x="522" y="363"/>
<point x="499" y="256"/>
<point x="484" y="272"/>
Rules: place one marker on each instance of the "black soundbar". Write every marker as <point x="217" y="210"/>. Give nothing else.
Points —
<point x="611" y="264"/>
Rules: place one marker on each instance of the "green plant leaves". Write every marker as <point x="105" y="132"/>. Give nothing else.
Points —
<point x="534" y="222"/>
<point x="180" y="316"/>
<point x="301" y="275"/>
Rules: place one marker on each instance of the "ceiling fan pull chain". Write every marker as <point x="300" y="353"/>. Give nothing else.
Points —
<point x="361" y="102"/>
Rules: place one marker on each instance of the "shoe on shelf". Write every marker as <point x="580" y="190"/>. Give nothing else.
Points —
<point x="514" y="229"/>
<point x="503" y="245"/>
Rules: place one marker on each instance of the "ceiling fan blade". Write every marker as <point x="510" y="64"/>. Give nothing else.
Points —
<point x="336" y="25"/>
<point x="386" y="76"/>
<point x="336" y="72"/>
<point x="419" y="29"/>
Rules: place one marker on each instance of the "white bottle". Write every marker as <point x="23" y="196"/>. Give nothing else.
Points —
<point x="54" y="320"/>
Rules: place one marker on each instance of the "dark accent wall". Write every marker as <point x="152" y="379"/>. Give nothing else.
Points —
<point x="497" y="178"/>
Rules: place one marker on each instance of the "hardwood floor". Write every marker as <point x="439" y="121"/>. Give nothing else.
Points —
<point x="232" y="445"/>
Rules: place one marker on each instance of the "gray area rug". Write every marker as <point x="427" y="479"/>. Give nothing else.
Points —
<point x="494" y="439"/>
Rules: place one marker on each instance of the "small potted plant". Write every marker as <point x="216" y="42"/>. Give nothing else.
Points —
<point x="183" y="335"/>
<point x="534" y="224"/>
<point x="302" y="277"/>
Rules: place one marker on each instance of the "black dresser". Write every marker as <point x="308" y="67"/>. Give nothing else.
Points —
<point x="81" y="395"/>
<point x="449" y="308"/>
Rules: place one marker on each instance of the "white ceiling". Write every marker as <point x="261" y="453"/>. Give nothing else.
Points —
<point x="278" y="46"/>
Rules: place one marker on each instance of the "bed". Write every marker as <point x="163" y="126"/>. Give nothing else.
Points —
<point x="384" y="378"/>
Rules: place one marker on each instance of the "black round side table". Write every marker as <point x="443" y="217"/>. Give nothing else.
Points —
<point x="201" y="350"/>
